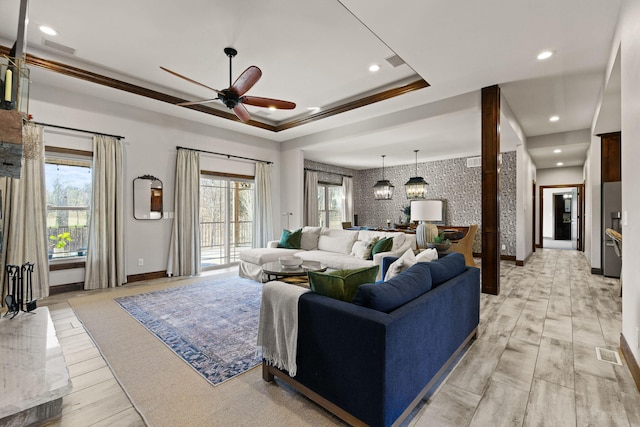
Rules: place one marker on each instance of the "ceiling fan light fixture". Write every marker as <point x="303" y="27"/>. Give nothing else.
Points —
<point x="416" y="187"/>
<point x="383" y="190"/>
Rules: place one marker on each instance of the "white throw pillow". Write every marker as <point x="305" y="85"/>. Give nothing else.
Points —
<point x="401" y="264"/>
<point x="427" y="255"/>
<point x="362" y="249"/>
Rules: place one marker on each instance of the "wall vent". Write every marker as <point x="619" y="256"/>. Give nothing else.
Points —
<point x="58" y="47"/>
<point x="395" y="61"/>
<point x="474" y="162"/>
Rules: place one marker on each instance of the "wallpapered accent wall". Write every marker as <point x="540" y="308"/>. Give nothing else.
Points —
<point x="450" y="180"/>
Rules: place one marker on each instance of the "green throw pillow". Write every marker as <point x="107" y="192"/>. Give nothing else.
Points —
<point x="290" y="239"/>
<point x="341" y="284"/>
<point x="383" y="245"/>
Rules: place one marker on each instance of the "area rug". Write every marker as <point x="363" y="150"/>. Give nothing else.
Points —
<point x="213" y="326"/>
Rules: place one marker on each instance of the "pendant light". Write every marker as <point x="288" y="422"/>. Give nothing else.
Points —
<point x="416" y="187"/>
<point x="383" y="190"/>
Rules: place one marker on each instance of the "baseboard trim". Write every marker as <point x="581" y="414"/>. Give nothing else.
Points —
<point x="146" y="276"/>
<point x="538" y="245"/>
<point x="597" y="271"/>
<point x="632" y="363"/>
<point x="67" y="287"/>
<point x="521" y="263"/>
<point x="507" y="257"/>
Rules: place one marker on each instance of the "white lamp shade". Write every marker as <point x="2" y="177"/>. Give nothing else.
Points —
<point x="426" y="210"/>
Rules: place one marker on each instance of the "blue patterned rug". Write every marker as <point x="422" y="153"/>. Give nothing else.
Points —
<point x="213" y="326"/>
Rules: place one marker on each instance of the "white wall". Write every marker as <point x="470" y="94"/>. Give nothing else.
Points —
<point x="593" y="202"/>
<point x="526" y="175"/>
<point x="630" y="66"/>
<point x="150" y="148"/>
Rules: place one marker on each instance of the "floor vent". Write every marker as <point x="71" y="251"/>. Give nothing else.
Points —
<point x="608" y="356"/>
<point x="395" y="61"/>
<point x="474" y="162"/>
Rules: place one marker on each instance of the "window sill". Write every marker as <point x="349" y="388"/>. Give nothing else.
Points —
<point x="67" y="263"/>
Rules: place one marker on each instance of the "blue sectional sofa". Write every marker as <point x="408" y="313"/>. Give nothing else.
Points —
<point x="371" y="361"/>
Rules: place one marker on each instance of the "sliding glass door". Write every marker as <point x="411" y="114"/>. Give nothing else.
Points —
<point x="226" y="219"/>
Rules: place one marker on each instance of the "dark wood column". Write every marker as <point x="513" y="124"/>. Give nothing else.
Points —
<point x="491" y="190"/>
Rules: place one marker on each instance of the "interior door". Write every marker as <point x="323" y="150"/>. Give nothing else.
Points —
<point x="574" y="218"/>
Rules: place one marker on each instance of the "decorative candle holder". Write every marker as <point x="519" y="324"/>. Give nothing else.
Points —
<point x="14" y="90"/>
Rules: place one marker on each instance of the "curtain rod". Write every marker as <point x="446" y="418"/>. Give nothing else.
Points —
<point x="332" y="173"/>
<point x="78" y="130"/>
<point x="226" y="155"/>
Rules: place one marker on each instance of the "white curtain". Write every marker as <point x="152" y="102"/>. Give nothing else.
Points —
<point x="311" y="198"/>
<point x="262" y="208"/>
<point x="105" y="247"/>
<point x="347" y="192"/>
<point x="24" y="213"/>
<point x="184" y="253"/>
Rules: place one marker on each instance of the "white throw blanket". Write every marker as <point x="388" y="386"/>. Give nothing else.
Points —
<point x="278" y="329"/>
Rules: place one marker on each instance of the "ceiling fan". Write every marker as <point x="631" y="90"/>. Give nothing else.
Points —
<point x="233" y="97"/>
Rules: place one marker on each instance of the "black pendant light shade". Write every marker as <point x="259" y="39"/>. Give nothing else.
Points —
<point x="383" y="190"/>
<point x="416" y="187"/>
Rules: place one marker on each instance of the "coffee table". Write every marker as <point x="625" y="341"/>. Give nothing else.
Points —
<point x="275" y="271"/>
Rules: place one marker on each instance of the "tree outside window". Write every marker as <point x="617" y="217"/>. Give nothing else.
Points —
<point x="68" y="184"/>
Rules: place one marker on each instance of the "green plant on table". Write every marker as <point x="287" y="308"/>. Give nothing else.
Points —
<point x="61" y="240"/>
<point x="440" y="239"/>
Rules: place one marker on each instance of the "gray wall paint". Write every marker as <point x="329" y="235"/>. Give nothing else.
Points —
<point x="450" y="180"/>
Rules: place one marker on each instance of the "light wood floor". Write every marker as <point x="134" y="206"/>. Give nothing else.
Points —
<point x="534" y="362"/>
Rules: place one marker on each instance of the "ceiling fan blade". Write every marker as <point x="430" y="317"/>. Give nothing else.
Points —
<point x="189" y="80"/>
<point x="204" y="101"/>
<point x="242" y="113"/>
<point x="268" y="102"/>
<point x="247" y="79"/>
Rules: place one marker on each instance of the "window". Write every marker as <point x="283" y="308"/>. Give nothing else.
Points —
<point x="330" y="205"/>
<point x="226" y="219"/>
<point x="68" y="183"/>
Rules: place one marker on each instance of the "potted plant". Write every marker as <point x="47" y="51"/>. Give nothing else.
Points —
<point x="440" y="243"/>
<point x="59" y="241"/>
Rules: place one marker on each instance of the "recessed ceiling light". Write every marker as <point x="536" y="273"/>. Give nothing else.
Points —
<point x="272" y="108"/>
<point x="48" y="30"/>
<point x="557" y="150"/>
<point x="554" y="118"/>
<point x="373" y="68"/>
<point x="545" y="54"/>
<point x="559" y="164"/>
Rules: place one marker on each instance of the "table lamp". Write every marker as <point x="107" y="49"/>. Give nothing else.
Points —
<point x="424" y="211"/>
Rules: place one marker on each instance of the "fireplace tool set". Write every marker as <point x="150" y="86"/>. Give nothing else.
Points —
<point x="19" y="289"/>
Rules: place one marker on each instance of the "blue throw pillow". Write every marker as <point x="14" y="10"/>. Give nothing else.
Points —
<point x="395" y="292"/>
<point x="446" y="267"/>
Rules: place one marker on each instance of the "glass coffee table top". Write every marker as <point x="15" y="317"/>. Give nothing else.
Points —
<point x="276" y="269"/>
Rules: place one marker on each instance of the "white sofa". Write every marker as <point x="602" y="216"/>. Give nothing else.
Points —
<point x="331" y="247"/>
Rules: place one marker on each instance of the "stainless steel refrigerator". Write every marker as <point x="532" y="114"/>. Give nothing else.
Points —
<point x="611" y="208"/>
